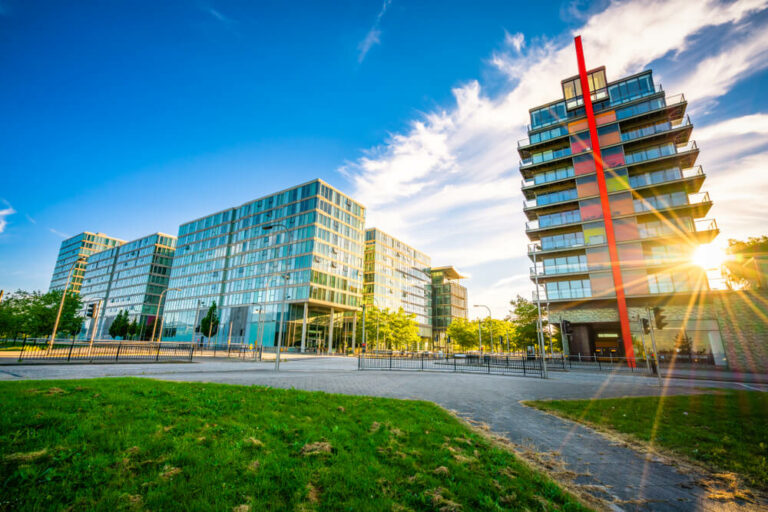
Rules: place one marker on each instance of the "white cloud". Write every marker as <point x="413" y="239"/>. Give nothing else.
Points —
<point x="716" y="75"/>
<point x="4" y="214"/>
<point x="450" y="183"/>
<point x="516" y="41"/>
<point x="373" y="35"/>
<point x="58" y="233"/>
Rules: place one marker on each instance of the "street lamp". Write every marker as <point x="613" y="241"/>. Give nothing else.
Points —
<point x="157" y="312"/>
<point x="80" y="259"/>
<point x="286" y="276"/>
<point x="490" y="323"/>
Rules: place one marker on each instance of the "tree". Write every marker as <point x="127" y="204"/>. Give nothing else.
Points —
<point x="404" y="330"/>
<point x="463" y="333"/>
<point x="209" y="325"/>
<point x="147" y="328"/>
<point x="34" y="314"/>
<point x="396" y="330"/>
<point x="524" y="317"/>
<point x="120" y="325"/>
<point x="133" y="329"/>
<point x="745" y="267"/>
<point x="12" y="313"/>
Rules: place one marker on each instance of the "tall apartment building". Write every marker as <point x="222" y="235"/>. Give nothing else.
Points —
<point x="130" y="277"/>
<point x="614" y="206"/>
<point x="82" y="245"/>
<point x="397" y="276"/>
<point x="449" y="300"/>
<point x="303" y="245"/>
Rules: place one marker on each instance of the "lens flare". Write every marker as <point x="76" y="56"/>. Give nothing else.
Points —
<point x="708" y="256"/>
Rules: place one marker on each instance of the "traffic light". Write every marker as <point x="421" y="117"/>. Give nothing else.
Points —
<point x="646" y="326"/>
<point x="567" y="327"/>
<point x="659" y="317"/>
<point x="90" y="310"/>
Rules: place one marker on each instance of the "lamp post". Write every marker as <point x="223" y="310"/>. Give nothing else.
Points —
<point x="284" y="229"/>
<point x="490" y="321"/>
<point x="81" y="259"/>
<point x="157" y="312"/>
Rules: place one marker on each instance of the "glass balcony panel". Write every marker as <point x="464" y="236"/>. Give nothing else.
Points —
<point x="556" y="197"/>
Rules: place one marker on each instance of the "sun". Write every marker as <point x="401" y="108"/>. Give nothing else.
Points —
<point x="708" y="256"/>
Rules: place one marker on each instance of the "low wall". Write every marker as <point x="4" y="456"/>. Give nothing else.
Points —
<point x="743" y="319"/>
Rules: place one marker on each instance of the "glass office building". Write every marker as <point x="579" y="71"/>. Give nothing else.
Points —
<point x="449" y="301"/>
<point x="82" y="245"/>
<point x="130" y="277"/>
<point x="615" y="209"/>
<point x="303" y="245"/>
<point x="397" y="276"/>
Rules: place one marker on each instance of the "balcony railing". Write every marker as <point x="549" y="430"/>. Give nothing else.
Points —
<point x="555" y="220"/>
<point x="701" y="225"/>
<point x="557" y="270"/>
<point x="659" y="152"/>
<point x="547" y="156"/>
<point x="654" y="129"/>
<point x="664" y="176"/>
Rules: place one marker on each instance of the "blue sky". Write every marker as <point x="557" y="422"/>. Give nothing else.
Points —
<point x="131" y="117"/>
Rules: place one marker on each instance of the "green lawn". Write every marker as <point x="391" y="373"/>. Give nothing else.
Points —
<point x="136" y="444"/>
<point x="726" y="430"/>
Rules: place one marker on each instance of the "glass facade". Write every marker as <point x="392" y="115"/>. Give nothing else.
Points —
<point x="302" y="247"/>
<point x="397" y="276"/>
<point x="83" y="245"/>
<point x="130" y="278"/>
<point x="449" y="300"/>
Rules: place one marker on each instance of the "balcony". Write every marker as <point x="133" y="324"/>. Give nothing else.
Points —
<point x="674" y="105"/>
<point x="562" y="219"/>
<point x="676" y="133"/>
<point x="699" y="231"/>
<point x="699" y="204"/>
<point x="558" y="270"/>
<point x="544" y="157"/>
<point x="671" y="175"/>
<point x="685" y="154"/>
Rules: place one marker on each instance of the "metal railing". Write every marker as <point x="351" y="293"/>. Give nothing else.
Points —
<point x="493" y="364"/>
<point x="64" y="351"/>
<point x="604" y="363"/>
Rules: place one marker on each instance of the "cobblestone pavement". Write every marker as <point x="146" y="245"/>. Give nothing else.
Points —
<point x="610" y="470"/>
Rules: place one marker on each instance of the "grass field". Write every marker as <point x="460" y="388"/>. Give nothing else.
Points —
<point x="725" y="430"/>
<point x="136" y="444"/>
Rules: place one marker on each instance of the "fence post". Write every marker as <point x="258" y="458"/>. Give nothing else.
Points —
<point x="524" y="360"/>
<point x="489" y="364"/>
<point x="390" y="360"/>
<point x="422" y="362"/>
<point x="71" y="346"/>
<point x="454" y="363"/>
<point x="119" y="344"/>
<point x="599" y="366"/>
<point x="157" y="356"/>
<point x="23" y="344"/>
<point x="191" y="351"/>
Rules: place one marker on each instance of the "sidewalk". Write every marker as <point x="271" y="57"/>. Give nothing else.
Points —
<point x="711" y="374"/>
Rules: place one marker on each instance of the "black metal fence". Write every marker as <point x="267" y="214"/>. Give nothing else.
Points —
<point x="63" y="351"/>
<point x="601" y="364"/>
<point x="460" y="363"/>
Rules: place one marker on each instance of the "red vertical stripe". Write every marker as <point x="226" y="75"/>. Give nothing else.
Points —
<point x="621" y="299"/>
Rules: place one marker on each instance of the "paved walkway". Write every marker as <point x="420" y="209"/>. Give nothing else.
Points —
<point x="609" y="470"/>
